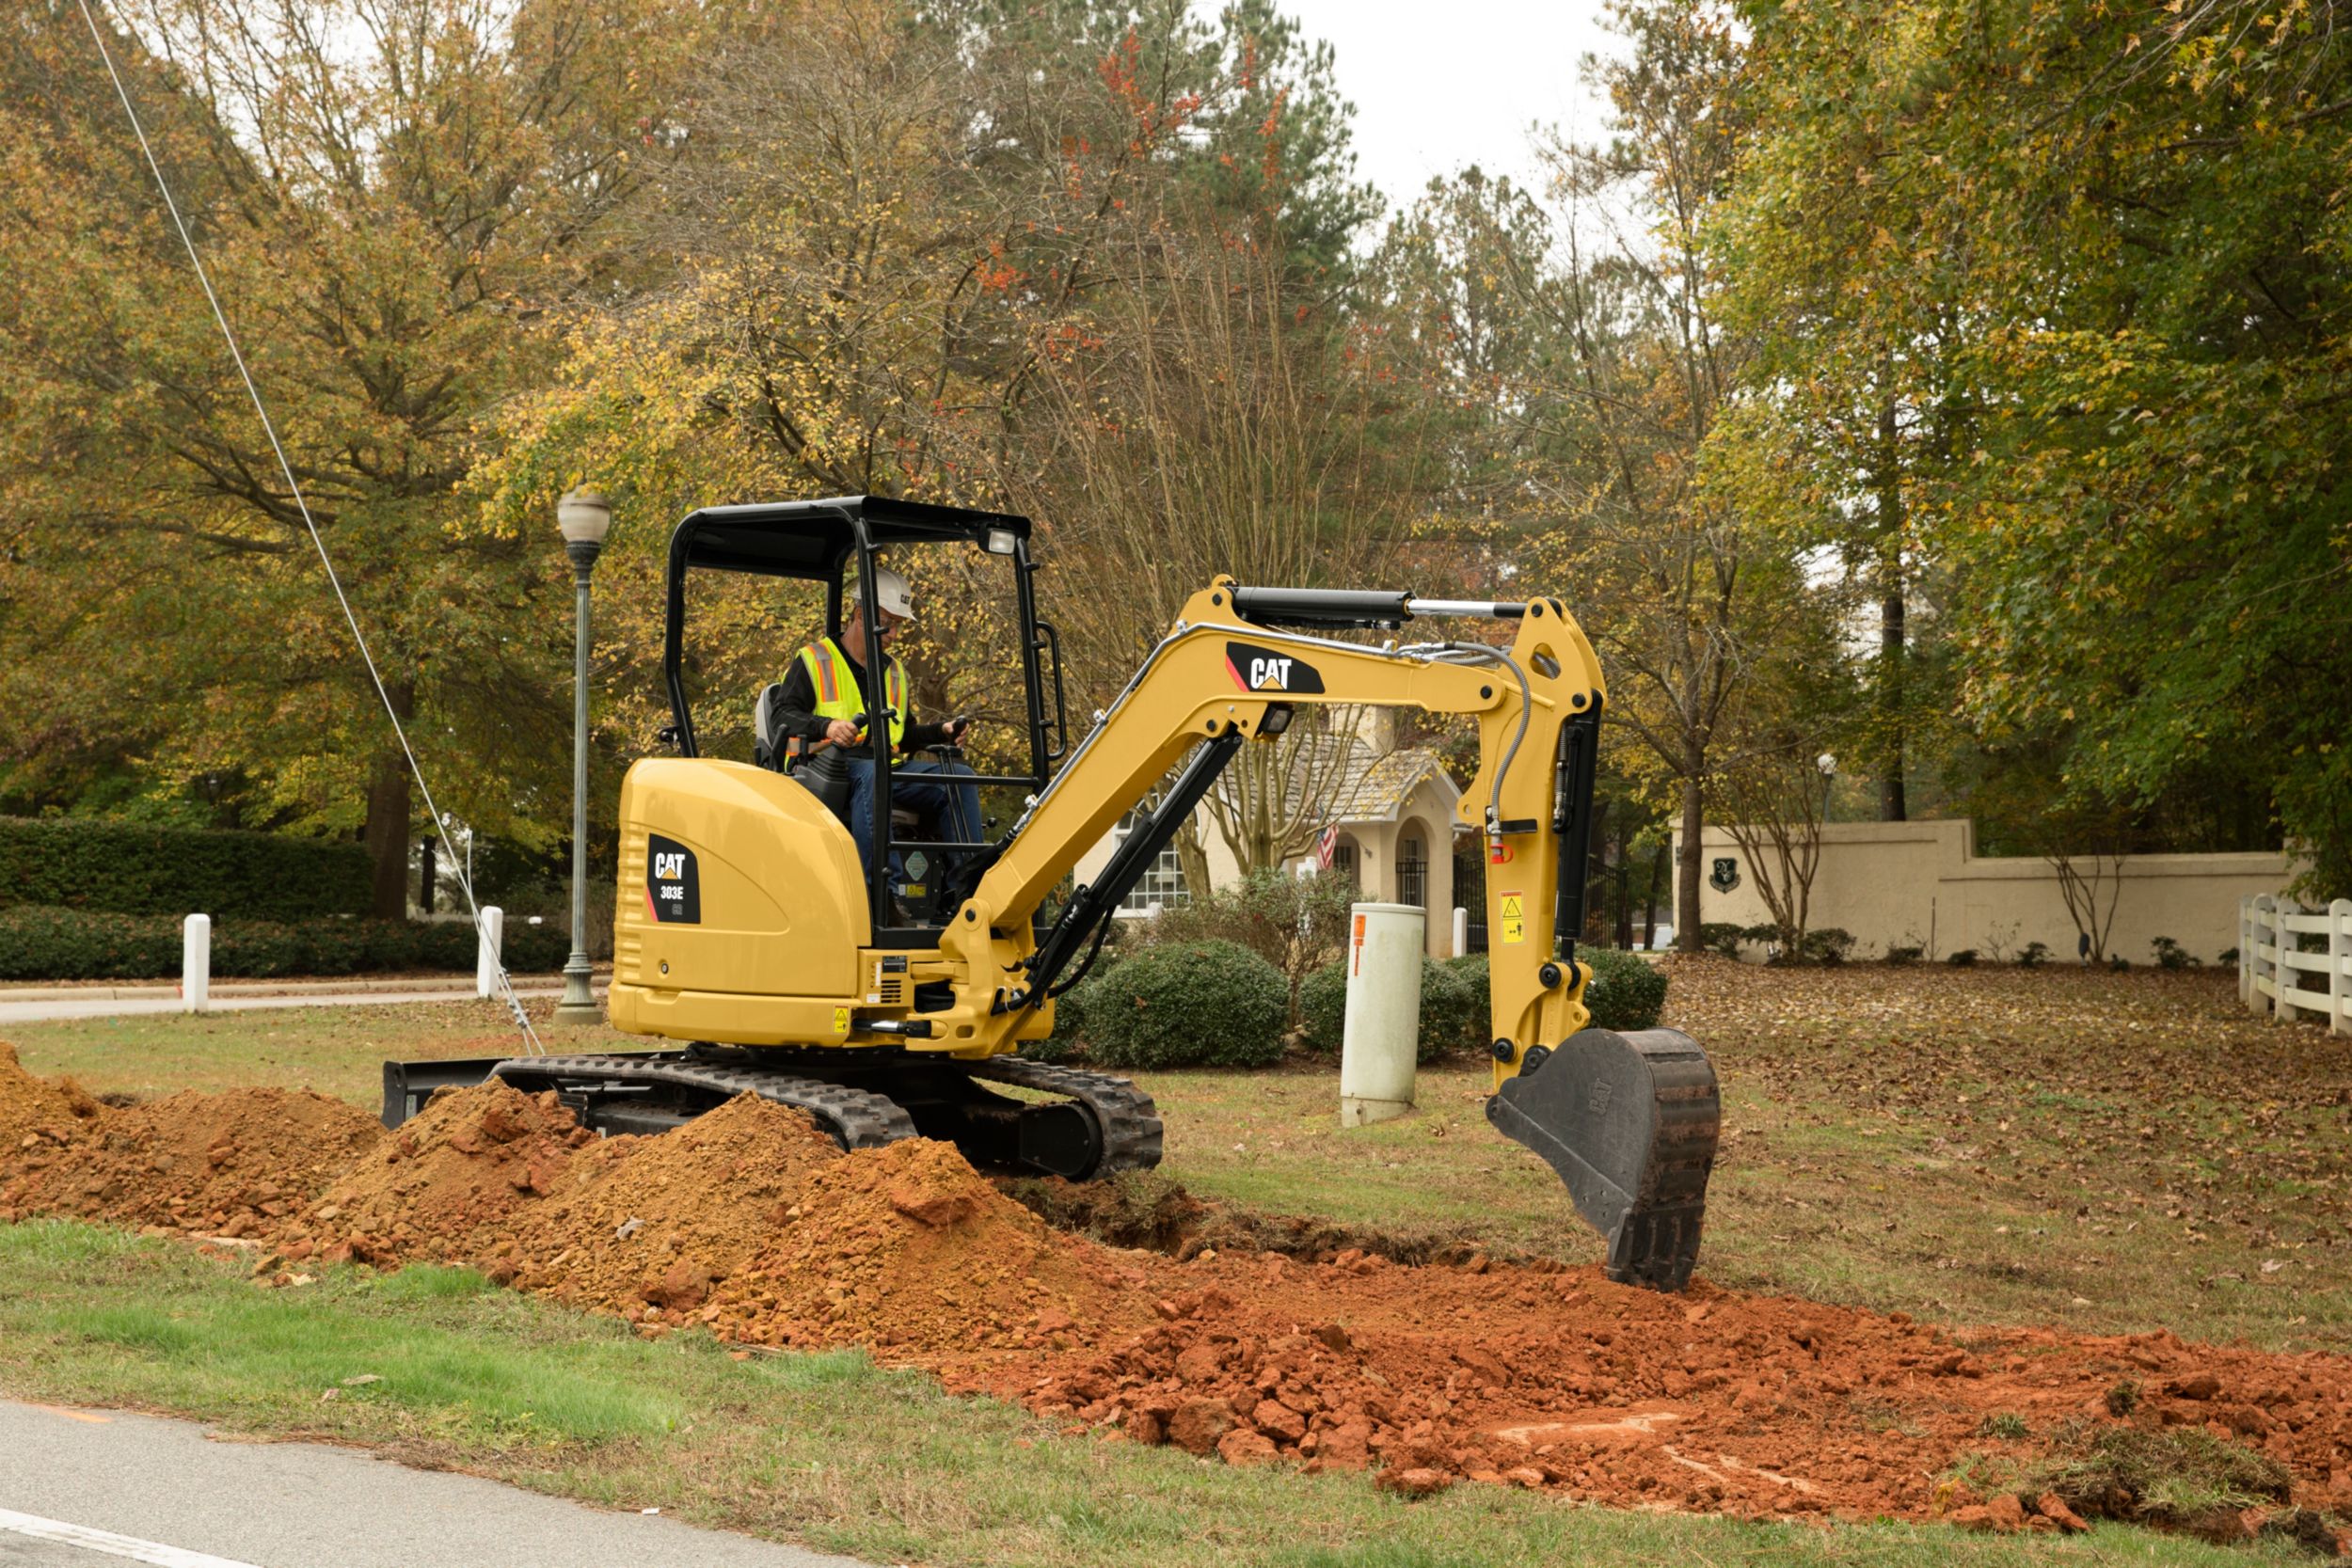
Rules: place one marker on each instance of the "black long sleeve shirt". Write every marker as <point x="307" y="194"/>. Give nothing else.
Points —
<point x="798" y="705"/>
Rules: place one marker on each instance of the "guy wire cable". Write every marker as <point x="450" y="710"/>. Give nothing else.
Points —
<point x="506" y="984"/>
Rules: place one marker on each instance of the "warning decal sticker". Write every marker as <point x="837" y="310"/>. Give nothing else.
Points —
<point x="1514" y="917"/>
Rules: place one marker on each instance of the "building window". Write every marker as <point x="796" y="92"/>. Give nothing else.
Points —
<point x="1162" y="885"/>
<point x="1343" y="861"/>
<point x="1412" y="871"/>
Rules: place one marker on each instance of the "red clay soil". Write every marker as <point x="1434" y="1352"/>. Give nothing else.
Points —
<point x="653" y="1223"/>
<point x="910" y="1250"/>
<point x="28" y="1104"/>
<point x="748" y="1223"/>
<point x="234" y="1165"/>
<point x="1714" y="1400"/>
<point x="451" y="1187"/>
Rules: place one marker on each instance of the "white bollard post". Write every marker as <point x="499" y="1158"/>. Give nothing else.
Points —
<point x="195" y="963"/>
<point x="486" y="963"/>
<point x="1383" y="1030"/>
<point x="1461" y="932"/>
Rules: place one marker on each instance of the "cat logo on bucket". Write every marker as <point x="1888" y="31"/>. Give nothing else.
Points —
<point x="1256" y="669"/>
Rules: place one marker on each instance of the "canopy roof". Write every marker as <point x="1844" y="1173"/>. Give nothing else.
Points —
<point x="812" y="538"/>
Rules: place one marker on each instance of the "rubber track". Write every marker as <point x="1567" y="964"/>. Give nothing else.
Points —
<point x="854" y="1118"/>
<point x="1129" y="1121"/>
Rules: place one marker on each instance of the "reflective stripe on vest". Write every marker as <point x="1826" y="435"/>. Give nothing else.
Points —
<point x="837" y="689"/>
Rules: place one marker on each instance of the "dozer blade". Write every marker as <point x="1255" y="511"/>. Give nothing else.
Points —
<point x="1630" y="1122"/>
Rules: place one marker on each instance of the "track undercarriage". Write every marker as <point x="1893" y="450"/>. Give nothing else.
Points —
<point x="1097" y="1126"/>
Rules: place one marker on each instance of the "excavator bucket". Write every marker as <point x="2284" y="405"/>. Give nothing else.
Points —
<point x="1630" y="1122"/>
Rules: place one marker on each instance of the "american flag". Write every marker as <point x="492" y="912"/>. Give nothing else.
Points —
<point x="1325" y="847"/>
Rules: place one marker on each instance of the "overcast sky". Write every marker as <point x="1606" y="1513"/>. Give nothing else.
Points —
<point x="1437" y="86"/>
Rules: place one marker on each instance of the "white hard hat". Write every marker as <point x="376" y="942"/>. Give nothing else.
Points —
<point x="891" y="592"/>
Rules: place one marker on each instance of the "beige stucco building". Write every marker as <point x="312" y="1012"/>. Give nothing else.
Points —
<point x="1923" y="884"/>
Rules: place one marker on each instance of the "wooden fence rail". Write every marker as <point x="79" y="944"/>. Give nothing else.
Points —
<point x="2293" y="962"/>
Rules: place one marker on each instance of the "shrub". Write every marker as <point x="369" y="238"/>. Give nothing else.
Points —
<point x="1828" y="946"/>
<point x="1323" y="1008"/>
<point x="1454" y="1014"/>
<point x="1965" y="958"/>
<point x="1625" y="993"/>
<point x="1721" y="936"/>
<point x="128" y="868"/>
<point x="39" y="942"/>
<point x="1199" y="1004"/>
<point x="1901" y="953"/>
<point x="2229" y="956"/>
<point x="1296" y="923"/>
<point x="2118" y="962"/>
<point x="2171" y="955"/>
<point x="1472" y="971"/>
<point x="2036" y="954"/>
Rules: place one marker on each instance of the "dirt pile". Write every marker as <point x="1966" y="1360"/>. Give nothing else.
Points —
<point x="908" y="1249"/>
<point x="234" y="1163"/>
<point x="28" y="1104"/>
<point x="1743" y="1404"/>
<point x="451" y="1187"/>
<point x="651" y="1223"/>
<point x="751" y="1224"/>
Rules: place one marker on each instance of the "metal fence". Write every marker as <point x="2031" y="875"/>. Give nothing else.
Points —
<point x="2293" y="962"/>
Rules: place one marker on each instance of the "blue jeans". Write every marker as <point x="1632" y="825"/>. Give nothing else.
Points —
<point x="948" y="811"/>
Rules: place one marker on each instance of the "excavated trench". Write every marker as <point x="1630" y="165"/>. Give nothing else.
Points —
<point x="1229" y="1335"/>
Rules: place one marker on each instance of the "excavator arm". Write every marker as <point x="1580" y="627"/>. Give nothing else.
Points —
<point x="1628" y="1121"/>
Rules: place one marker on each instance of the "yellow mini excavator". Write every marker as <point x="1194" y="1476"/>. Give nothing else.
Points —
<point x="891" y="1001"/>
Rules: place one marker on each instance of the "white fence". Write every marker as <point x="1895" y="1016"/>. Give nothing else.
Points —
<point x="2276" y="975"/>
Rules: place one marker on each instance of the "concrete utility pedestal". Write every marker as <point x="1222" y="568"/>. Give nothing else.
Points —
<point x="1377" y="1048"/>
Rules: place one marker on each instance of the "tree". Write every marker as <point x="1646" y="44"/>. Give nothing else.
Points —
<point x="2138" y="282"/>
<point x="1221" y="416"/>
<point x="888" y="227"/>
<point x="389" y="194"/>
<point x="1606" y="391"/>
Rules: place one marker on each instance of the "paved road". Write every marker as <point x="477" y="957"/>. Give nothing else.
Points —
<point x="80" y="1489"/>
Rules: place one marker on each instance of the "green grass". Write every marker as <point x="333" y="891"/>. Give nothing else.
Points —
<point x="829" y="1450"/>
<point x="337" y="1051"/>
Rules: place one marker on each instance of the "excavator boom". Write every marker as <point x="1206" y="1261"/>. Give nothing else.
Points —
<point x="1628" y="1121"/>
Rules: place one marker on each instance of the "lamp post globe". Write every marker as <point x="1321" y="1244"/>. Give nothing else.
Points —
<point x="583" y="517"/>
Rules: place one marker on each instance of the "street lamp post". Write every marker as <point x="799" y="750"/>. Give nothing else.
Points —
<point x="584" y="516"/>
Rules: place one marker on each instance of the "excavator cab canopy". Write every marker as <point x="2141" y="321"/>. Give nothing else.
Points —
<point x="828" y="541"/>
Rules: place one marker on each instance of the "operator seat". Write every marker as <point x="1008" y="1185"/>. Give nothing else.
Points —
<point x="767" y="720"/>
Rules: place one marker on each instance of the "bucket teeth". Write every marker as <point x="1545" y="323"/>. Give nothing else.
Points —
<point x="1630" y="1122"/>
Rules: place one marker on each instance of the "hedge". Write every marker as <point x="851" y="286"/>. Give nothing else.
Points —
<point x="39" y="942"/>
<point x="1455" y="1010"/>
<point x="1625" y="993"/>
<point x="126" y="868"/>
<point x="1195" y="1003"/>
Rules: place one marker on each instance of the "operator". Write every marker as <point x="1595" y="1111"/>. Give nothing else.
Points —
<point x="825" y="690"/>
